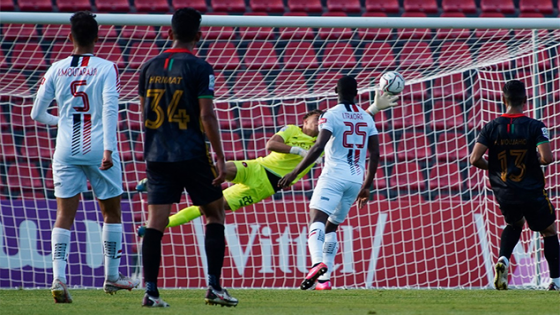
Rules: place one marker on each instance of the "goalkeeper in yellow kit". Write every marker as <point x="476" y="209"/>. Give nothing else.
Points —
<point x="257" y="179"/>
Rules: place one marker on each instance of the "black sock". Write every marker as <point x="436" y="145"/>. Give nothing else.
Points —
<point x="510" y="237"/>
<point x="215" y="245"/>
<point x="552" y="253"/>
<point x="151" y="259"/>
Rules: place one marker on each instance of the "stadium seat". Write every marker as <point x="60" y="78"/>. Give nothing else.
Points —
<point x="35" y="5"/>
<point x="300" y="55"/>
<point x="217" y="32"/>
<point x="293" y="33"/>
<point x="125" y="149"/>
<point x="141" y="52"/>
<point x="129" y="83"/>
<point x="498" y="6"/>
<point x="325" y="81"/>
<point x="527" y="34"/>
<point x="378" y="55"/>
<point x="107" y="33"/>
<point x="416" y="91"/>
<point x="452" y="146"/>
<point x="414" y="33"/>
<point x="133" y="173"/>
<point x="19" y="32"/>
<point x="7" y="5"/>
<point x="199" y="5"/>
<point x="309" y="6"/>
<point x="138" y="147"/>
<point x="544" y="61"/>
<point x="73" y="5"/>
<point x="250" y="84"/>
<point x="230" y="6"/>
<point x="446" y="115"/>
<point x="60" y="50"/>
<point x="425" y="6"/>
<point x="255" y="115"/>
<point x="56" y="32"/>
<point x="339" y="55"/>
<point x="348" y="6"/>
<point x="536" y="6"/>
<point x="221" y="86"/>
<point x="291" y="114"/>
<point x="110" y="51"/>
<point x="37" y="146"/>
<point x="138" y="32"/>
<point x="445" y="176"/>
<point x="387" y="6"/>
<point x="269" y="6"/>
<point x="290" y="82"/>
<point x="386" y="146"/>
<point x="251" y="33"/>
<point x="20" y="116"/>
<point x="112" y="6"/>
<point x="375" y="33"/>
<point x="528" y="78"/>
<point x="151" y="6"/>
<point x="335" y="33"/>
<point x="233" y="146"/>
<point x="260" y="55"/>
<point x="14" y="83"/>
<point x="407" y="176"/>
<point x="380" y="119"/>
<point x="8" y="148"/>
<point x="225" y="115"/>
<point x="23" y="176"/>
<point x="256" y="145"/>
<point x="453" y="54"/>
<point x="477" y="179"/>
<point x="410" y="115"/>
<point x="450" y="87"/>
<point x="489" y="50"/>
<point x="368" y="77"/>
<point x="491" y="34"/>
<point x="458" y="6"/>
<point x="481" y="112"/>
<point x="413" y="146"/>
<point x="132" y="120"/>
<point x="223" y="55"/>
<point x="380" y="180"/>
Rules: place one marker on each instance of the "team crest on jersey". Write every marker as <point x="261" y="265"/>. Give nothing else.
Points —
<point x="211" y="82"/>
<point x="322" y="120"/>
<point x="244" y="164"/>
<point x="545" y="132"/>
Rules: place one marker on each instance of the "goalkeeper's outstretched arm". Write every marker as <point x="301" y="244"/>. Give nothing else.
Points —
<point x="381" y="102"/>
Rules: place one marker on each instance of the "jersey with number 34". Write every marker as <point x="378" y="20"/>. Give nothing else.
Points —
<point x="345" y="152"/>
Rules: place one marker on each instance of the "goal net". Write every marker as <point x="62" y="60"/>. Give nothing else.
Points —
<point x="432" y="221"/>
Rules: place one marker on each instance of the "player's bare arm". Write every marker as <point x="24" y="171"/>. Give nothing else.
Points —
<point x="477" y="156"/>
<point x="212" y="129"/>
<point x="373" y="149"/>
<point x="545" y="153"/>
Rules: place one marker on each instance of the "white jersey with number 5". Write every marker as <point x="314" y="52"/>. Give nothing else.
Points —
<point x="345" y="152"/>
<point x="86" y="89"/>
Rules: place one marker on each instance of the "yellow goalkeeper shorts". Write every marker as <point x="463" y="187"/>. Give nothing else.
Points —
<point x="251" y="185"/>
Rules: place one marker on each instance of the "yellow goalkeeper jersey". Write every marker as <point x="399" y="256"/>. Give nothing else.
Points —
<point x="281" y="164"/>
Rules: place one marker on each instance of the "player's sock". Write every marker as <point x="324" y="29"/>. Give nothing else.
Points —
<point x="315" y="242"/>
<point x="151" y="259"/>
<point x="510" y="237"/>
<point x="330" y="247"/>
<point x="215" y="245"/>
<point x="112" y="245"/>
<point x="184" y="216"/>
<point x="60" y="242"/>
<point x="552" y="253"/>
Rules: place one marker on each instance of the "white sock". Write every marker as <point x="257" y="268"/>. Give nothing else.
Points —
<point x="315" y="242"/>
<point x="556" y="281"/>
<point x="504" y="260"/>
<point x="329" y="253"/>
<point x="60" y="245"/>
<point x="112" y="247"/>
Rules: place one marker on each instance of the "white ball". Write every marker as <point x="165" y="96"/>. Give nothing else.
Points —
<point x="392" y="82"/>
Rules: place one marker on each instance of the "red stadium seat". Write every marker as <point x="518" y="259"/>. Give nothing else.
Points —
<point x="112" y="6"/>
<point x="407" y="176"/>
<point x="217" y="32"/>
<point x="129" y="83"/>
<point x="233" y="146"/>
<point x="387" y="6"/>
<point x="300" y="55"/>
<point x="491" y="34"/>
<point x="199" y="5"/>
<point x="452" y="34"/>
<point x="133" y="173"/>
<point x="481" y="113"/>
<point x="290" y="82"/>
<point x="223" y="55"/>
<point x="73" y="5"/>
<point x="499" y="6"/>
<point x="544" y="61"/>
<point x="380" y="180"/>
<point x="35" y="5"/>
<point x="463" y="6"/>
<point x="416" y="55"/>
<point x="151" y="6"/>
<point x="138" y="147"/>
<point x="7" y="5"/>
<point x="225" y="115"/>
<point x="528" y="34"/>
<point x="426" y="6"/>
<point x="132" y="117"/>
<point x="536" y="6"/>
<point x="451" y="146"/>
<point x="292" y="33"/>
<point x="14" y="83"/>
<point x="409" y="115"/>
<point x="221" y="86"/>
<point x="477" y="180"/>
<point x="23" y="176"/>
<point x="250" y="84"/>
<point x="142" y="52"/>
<point x="414" y="33"/>
<point x="416" y="91"/>
<point x="528" y="78"/>
<point x="413" y="146"/>
<point x="254" y="115"/>
<point x="60" y="50"/>
<point x="445" y="176"/>
<point x="490" y="49"/>
<point x="107" y="32"/>
<point x="348" y="6"/>
<point x="249" y="33"/>
<point x="378" y="55"/>
<point x="386" y="148"/>
<point x="110" y="51"/>
<point x="8" y="148"/>
<point x="310" y="6"/>
<point x="256" y="145"/>
<point x="450" y="87"/>
<point x="20" y="116"/>
<point x="291" y="114"/>
<point x="335" y="33"/>
<point x="453" y="54"/>
<point x="339" y="55"/>
<point x="228" y="6"/>
<point x="19" y="32"/>
<point x="270" y="6"/>
<point x="125" y="149"/>
<point x="375" y="33"/>
<point x="138" y="32"/>
<point x="37" y="145"/>
<point x="56" y="32"/>
<point x="260" y="55"/>
<point x="326" y="81"/>
<point x="447" y="116"/>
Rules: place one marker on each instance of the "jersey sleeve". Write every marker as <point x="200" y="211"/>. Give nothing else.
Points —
<point x="206" y="82"/>
<point x="484" y="136"/>
<point x="287" y="132"/>
<point x="541" y="133"/>
<point x="326" y="121"/>
<point x="111" y="87"/>
<point x="45" y="96"/>
<point x="373" y="130"/>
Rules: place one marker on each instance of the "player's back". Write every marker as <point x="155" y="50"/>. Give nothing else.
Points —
<point x="84" y="87"/>
<point x="346" y="151"/>
<point x="172" y="84"/>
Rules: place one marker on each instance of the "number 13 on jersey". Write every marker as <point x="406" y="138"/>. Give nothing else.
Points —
<point x="174" y="115"/>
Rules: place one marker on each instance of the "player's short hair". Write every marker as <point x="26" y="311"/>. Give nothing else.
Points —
<point x="514" y="93"/>
<point x="185" y="24"/>
<point x="84" y="28"/>
<point x="313" y="112"/>
<point x="347" y="87"/>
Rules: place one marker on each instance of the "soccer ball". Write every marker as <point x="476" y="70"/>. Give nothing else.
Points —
<point x="392" y="82"/>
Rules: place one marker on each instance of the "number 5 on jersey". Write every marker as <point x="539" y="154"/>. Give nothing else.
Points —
<point x="174" y="115"/>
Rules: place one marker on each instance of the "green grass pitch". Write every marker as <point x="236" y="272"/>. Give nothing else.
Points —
<point x="270" y="302"/>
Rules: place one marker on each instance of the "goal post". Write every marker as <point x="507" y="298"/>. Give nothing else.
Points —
<point x="432" y="221"/>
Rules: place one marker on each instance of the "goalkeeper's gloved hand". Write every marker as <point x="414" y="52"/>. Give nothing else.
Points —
<point x="382" y="102"/>
<point x="298" y="151"/>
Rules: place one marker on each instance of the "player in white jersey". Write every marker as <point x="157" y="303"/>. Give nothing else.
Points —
<point x="86" y="89"/>
<point x="346" y="134"/>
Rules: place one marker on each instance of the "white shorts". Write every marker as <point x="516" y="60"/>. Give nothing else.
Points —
<point x="334" y="197"/>
<point x="70" y="180"/>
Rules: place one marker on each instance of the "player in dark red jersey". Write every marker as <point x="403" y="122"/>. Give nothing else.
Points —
<point x="517" y="147"/>
<point x="176" y="90"/>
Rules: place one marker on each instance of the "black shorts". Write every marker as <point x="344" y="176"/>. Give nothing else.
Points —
<point x="166" y="181"/>
<point x="539" y="213"/>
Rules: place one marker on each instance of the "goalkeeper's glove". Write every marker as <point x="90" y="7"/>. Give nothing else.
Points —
<point x="382" y="101"/>
<point x="298" y="151"/>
